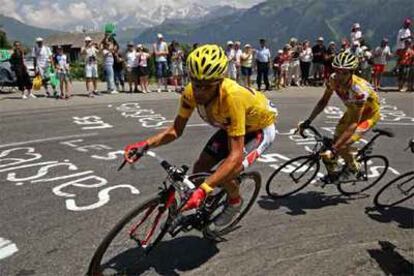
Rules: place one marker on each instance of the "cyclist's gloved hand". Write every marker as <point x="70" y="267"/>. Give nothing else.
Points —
<point x="328" y="154"/>
<point x="302" y="126"/>
<point x="197" y="197"/>
<point x="139" y="147"/>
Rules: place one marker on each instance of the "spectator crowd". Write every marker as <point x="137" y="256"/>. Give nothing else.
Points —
<point x="298" y="63"/>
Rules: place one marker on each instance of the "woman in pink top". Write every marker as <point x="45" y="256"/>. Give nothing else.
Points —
<point x="143" y="70"/>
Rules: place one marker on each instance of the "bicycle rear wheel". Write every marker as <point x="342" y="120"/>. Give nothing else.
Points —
<point x="292" y="176"/>
<point x="396" y="191"/>
<point x="121" y="252"/>
<point x="373" y="168"/>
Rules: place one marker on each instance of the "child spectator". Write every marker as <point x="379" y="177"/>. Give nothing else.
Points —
<point x="62" y="70"/>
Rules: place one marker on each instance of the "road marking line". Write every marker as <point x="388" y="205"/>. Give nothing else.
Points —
<point x="380" y="123"/>
<point x="7" y="248"/>
<point x="57" y="138"/>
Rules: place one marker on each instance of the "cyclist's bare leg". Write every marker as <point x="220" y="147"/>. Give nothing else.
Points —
<point x="205" y="163"/>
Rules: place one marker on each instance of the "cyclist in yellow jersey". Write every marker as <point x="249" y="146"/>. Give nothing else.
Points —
<point x="245" y="119"/>
<point x="362" y="112"/>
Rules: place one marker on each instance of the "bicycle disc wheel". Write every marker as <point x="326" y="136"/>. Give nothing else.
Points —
<point x="122" y="251"/>
<point x="373" y="167"/>
<point x="396" y="191"/>
<point x="292" y="176"/>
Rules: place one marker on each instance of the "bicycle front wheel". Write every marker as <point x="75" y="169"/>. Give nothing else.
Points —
<point x="123" y="249"/>
<point x="292" y="176"/>
<point x="373" y="170"/>
<point x="396" y="191"/>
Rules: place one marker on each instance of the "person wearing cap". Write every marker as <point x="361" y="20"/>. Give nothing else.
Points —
<point x="62" y="70"/>
<point x="90" y="52"/>
<point x="403" y="34"/>
<point x="177" y="68"/>
<point x="404" y="64"/>
<point x="329" y="57"/>
<point x="356" y="33"/>
<point x="356" y="49"/>
<point x="42" y="58"/>
<point x="246" y="63"/>
<point x="285" y="59"/>
<point x="318" y="52"/>
<point x="294" y="65"/>
<point x="263" y="60"/>
<point x="381" y="56"/>
<point x="160" y="50"/>
<point x="305" y="62"/>
<point x="131" y="64"/>
<point x="231" y="57"/>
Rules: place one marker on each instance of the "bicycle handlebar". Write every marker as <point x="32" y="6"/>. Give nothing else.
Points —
<point x="177" y="174"/>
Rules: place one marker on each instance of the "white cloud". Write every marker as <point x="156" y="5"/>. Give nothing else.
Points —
<point x="63" y="13"/>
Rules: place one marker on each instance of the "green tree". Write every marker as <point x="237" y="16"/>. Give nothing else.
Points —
<point x="3" y="39"/>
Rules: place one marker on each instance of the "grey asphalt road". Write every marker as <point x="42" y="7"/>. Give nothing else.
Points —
<point x="60" y="192"/>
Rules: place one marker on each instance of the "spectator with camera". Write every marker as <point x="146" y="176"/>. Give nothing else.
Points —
<point x="90" y="52"/>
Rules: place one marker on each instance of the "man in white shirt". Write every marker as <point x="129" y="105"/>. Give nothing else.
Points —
<point x="238" y="53"/>
<point x="90" y="51"/>
<point x="42" y="58"/>
<point x="404" y="34"/>
<point x="356" y="33"/>
<point x="231" y="57"/>
<point x="131" y="66"/>
<point x="381" y="56"/>
<point x="263" y="60"/>
<point x="160" y="50"/>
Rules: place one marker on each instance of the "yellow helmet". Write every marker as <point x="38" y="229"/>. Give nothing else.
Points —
<point x="207" y="62"/>
<point x="345" y="60"/>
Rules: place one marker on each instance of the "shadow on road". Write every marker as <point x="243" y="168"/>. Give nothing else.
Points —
<point x="390" y="261"/>
<point x="182" y="254"/>
<point x="402" y="215"/>
<point x="299" y="203"/>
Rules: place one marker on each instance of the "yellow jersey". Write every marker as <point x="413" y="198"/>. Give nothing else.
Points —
<point x="360" y="94"/>
<point x="237" y="109"/>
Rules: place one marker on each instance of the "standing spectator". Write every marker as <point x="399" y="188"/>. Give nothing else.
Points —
<point x="108" y="60"/>
<point x="305" y="62"/>
<point x="285" y="64"/>
<point x="318" y="52"/>
<point x="160" y="50"/>
<point x="329" y="57"/>
<point x="143" y="57"/>
<point x="19" y="68"/>
<point x="119" y="69"/>
<point x="263" y="59"/>
<point x="411" y="73"/>
<point x="90" y="51"/>
<point x="63" y="73"/>
<point x="238" y="53"/>
<point x="345" y="46"/>
<point x="177" y="59"/>
<point x="231" y="57"/>
<point x="356" y="33"/>
<point x="403" y="34"/>
<point x="277" y="63"/>
<point x="365" y="63"/>
<point x="42" y="58"/>
<point x="405" y="61"/>
<point x="131" y="67"/>
<point x="294" y="67"/>
<point x="246" y="62"/>
<point x="381" y="56"/>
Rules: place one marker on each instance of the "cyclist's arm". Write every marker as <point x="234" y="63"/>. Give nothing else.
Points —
<point x="323" y="102"/>
<point x="170" y="134"/>
<point x="346" y="136"/>
<point x="232" y="164"/>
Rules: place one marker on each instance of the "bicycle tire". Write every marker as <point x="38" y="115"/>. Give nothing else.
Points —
<point x="307" y="158"/>
<point x="95" y="266"/>
<point x="344" y="187"/>
<point x="377" y="198"/>
<point x="256" y="177"/>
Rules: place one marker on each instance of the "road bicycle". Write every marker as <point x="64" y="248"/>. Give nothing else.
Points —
<point x="397" y="190"/>
<point x="299" y="172"/>
<point x="139" y="231"/>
